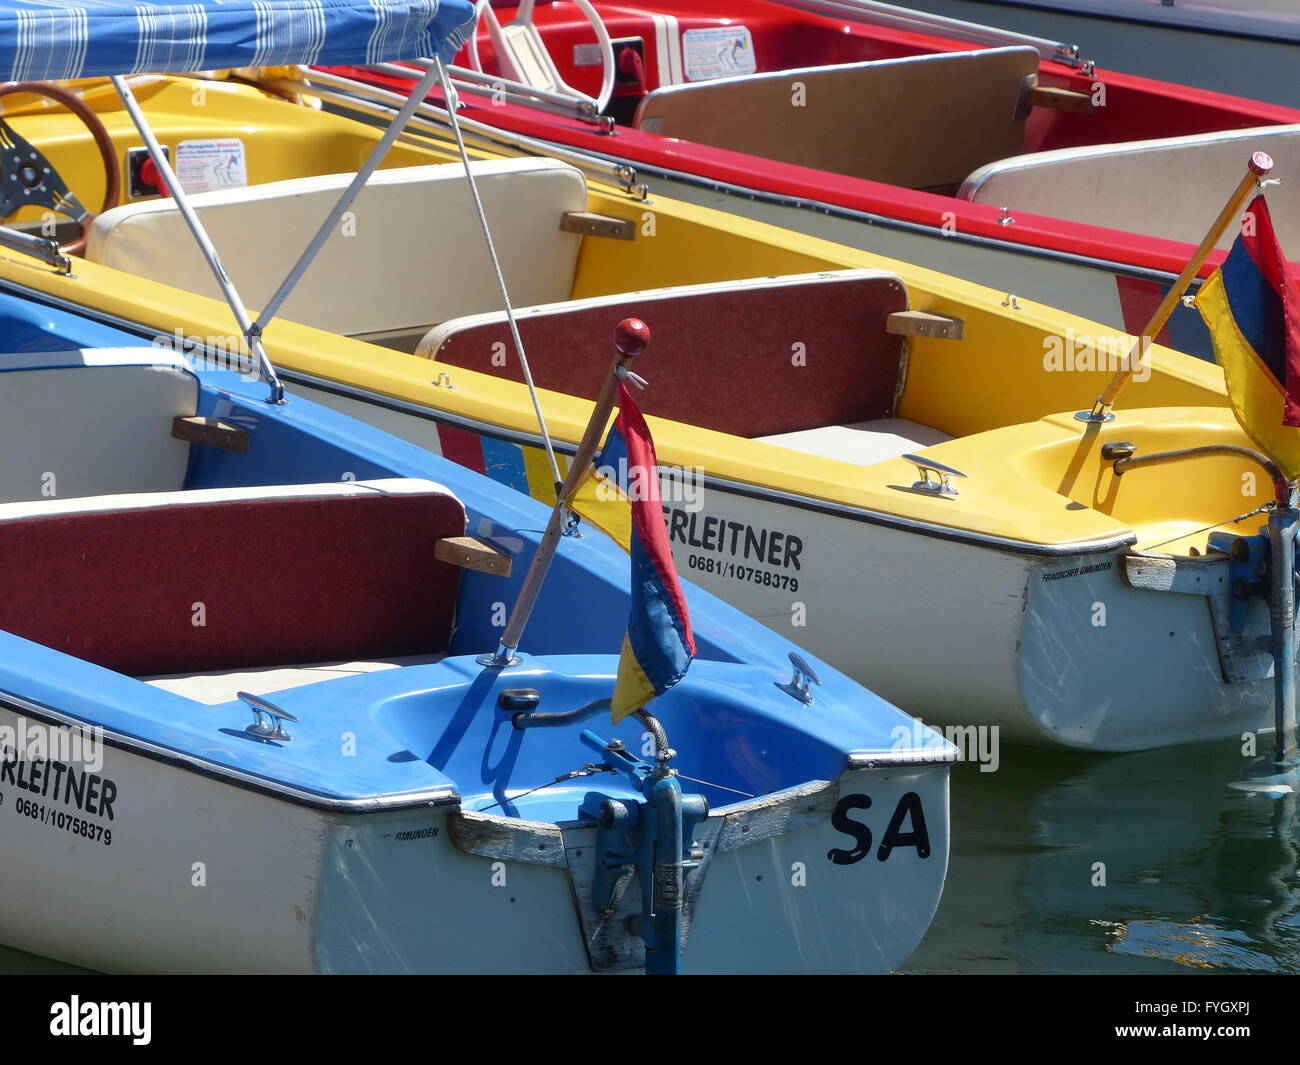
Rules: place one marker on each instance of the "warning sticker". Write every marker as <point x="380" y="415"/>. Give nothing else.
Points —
<point x="718" y="52"/>
<point x="212" y="164"/>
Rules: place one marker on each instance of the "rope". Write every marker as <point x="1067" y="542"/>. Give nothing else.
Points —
<point x="720" y="787"/>
<point x="1206" y="528"/>
<point x="449" y="95"/>
<point x="590" y="769"/>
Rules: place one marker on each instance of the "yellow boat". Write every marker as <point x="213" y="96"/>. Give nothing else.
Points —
<point x="1003" y="575"/>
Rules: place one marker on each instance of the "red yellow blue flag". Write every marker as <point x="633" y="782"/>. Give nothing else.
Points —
<point x="1251" y="305"/>
<point x="620" y="495"/>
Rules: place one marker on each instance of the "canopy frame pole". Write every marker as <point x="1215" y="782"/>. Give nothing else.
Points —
<point x="1260" y="164"/>
<point x="449" y="95"/>
<point x="251" y="333"/>
<point x="376" y="156"/>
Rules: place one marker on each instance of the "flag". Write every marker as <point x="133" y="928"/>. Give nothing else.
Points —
<point x="620" y="495"/>
<point x="1251" y="305"/>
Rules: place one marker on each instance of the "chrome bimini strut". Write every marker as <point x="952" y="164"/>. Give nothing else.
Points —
<point x="252" y="336"/>
<point x="434" y="121"/>
<point x="358" y="182"/>
<point x="438" y="71"/>
<point x="42" y="248"/>
<point x="472" y="81"/>
<point x="252" y="330"/>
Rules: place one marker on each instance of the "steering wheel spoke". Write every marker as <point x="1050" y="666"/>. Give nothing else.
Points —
<point x="27" y="178"/>
<point x="522" y="54"/>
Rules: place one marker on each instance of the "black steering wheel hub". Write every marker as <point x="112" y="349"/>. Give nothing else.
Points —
<point x="26" y="177"/>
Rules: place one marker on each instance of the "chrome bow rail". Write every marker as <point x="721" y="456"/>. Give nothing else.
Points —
<point x="42" y="248"/>
<point x="878" y="14"/>
<point x="433" y="121"/>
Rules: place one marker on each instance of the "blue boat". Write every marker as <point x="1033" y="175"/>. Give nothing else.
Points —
<point x="244" y="725"/>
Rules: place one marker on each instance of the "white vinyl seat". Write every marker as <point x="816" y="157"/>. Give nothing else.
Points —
<point x="92" y="421"/>
<point x="409" y="254"/>
<point x="862" y="443"/>
<point x="1110" y="184"/>
<point x="214" y="687"/>
<point x="112" y="502"/>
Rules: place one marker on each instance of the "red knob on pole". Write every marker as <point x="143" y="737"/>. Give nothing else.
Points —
<point x="631" y="337"/>
<point x="1261" y="163"/>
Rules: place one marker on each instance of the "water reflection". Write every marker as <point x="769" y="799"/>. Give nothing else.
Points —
<point x="1198" y="876"/>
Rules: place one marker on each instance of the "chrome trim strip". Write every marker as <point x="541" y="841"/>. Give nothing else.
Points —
<point x="885" y="759"/>
<point x="448" y="796"/>
<point x="1031" y="160"/>
<point x="1224" y="22"/>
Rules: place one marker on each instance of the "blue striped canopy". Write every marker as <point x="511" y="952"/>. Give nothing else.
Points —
<point x="48" y="39"/>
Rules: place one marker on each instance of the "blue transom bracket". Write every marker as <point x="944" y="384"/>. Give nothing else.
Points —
<point x="1247" y="571"/>
<point x="651" y="841"/>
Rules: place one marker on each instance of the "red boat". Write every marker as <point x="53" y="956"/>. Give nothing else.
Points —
<point x="1005" y="159"/>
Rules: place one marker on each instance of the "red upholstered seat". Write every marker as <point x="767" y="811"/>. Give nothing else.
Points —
<point x="194" y="581"/>
<point x="749" y="358"/>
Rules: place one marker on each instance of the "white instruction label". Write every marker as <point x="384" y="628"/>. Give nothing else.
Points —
<point x="718" y="52"/>
<point x="212" y="164"/>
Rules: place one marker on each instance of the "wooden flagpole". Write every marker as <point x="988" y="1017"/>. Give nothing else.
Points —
<point x="630" y="339"/>
<point x="1259" y="165"/>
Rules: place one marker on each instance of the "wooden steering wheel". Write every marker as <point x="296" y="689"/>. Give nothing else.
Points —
<point x="27" y="177"/>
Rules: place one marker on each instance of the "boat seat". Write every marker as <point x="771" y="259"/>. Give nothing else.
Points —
<point x="920" y="122"/>
<point x="1111" y="184"/>
<point x="233" y="578"/>
<point x="861" y="443"/>
<point x="88" y="421"/>
<point x="749" y="358"/>
<point x="389" y="269"/>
